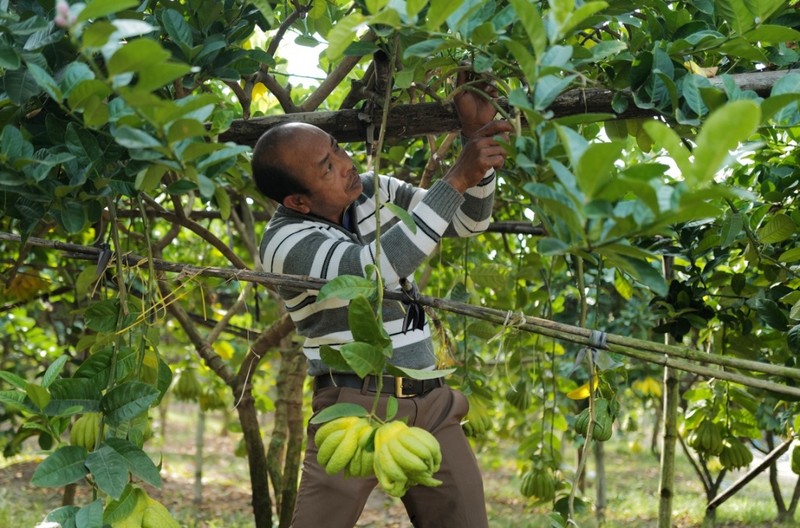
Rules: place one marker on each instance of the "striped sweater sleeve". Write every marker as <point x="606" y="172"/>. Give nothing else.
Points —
<point x="317" y="249"/>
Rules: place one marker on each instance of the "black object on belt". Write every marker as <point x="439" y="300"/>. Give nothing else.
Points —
<point x="397" y="386"/>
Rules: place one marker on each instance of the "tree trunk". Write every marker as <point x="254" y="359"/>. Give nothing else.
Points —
<point x="600" y="480"/>
<point x="296" y="374"/>
<point x="777" y="496"/>
<point x="256" y="458"/>
<point x="198" y="455"/>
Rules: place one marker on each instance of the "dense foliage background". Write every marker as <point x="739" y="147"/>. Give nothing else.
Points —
<point x="651" y="192"/>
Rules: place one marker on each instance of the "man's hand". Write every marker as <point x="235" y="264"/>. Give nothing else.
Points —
<point x="482" y="152"/>
<point x="474" y="109"/>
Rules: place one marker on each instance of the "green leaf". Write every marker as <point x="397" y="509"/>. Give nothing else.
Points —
<point x="46" y="82"/>
<point x="348" y="287"/>
<point x="38" y="395"/>
<point x="580" y="14"/>
<point x="793" y="339"/>
<point x="438" y="12"/>
<point x="71" y="395"/>
<point x="772" y="314"/>
<point x="595" y="167"/>
<point x="772" y="34"/>
<point x="342" y="34"/>
<point x="365" y="325"/>
<point x="54" y="370"/>
<point x="176" y="27"/>
<point x="391" y="407"/>
<point x="118" y="510"/>
<point x="731" y="227"/>
<point x="735" y="14"/>
<point x="100" y="8"/>
<point x="794" y="313"/>
<point x="552" y="246"/>
<point x="91" y="515"/>
<point x="403" y="215"/>
<point x="666" y="138"/>
<point x="724" y="129"/>
<point x="137" y="461"/>
<point x="363" y="358"/>
<point x="64" y="466"/>
<point x="13" y="379"/>
<point x="424" y="49"/>
<point x="779" y="228"/>
<point x="73" y="216"/>
<point x="788" y="256"/>
<point x="531" y="20"/>
<point x="127" y="401"/>
<point x="333" y="359"/>
<point x="134" y="138"/>
<point x="137" y="56"/>
<point x="622" y="285"/>
<point x="20" y="85"/>
<point x="265" y="9"/>
<point x="159" y="75"/>
<point x="9" y="58"/>
<point x="102" y="316"/>
<point x="338" y="410"/>
<point x="109" y="469"/>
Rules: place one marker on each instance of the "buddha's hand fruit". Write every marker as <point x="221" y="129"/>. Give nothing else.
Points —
<point x="405" y="456"/>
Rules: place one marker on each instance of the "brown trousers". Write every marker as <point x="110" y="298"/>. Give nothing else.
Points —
<point x="337" y="502"/>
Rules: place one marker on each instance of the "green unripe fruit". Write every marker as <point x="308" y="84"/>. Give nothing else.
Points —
<point x="603" y="421"/>
<point x="734" y="454"/>
<point x="188" y="387"/>
<point x="706" y="439"/>
<point x="539" y="484"/>
<point x="796" y="460"/>
<point x="85" y="430"/>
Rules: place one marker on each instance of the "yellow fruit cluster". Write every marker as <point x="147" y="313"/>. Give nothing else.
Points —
<point x="399" y="456"/>
<point x="147" y="513"/>
<point x="84" y="431"/>
<point x="405" y="456"/>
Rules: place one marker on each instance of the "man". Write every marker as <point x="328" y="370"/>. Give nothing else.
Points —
<point x="325" y="227"/>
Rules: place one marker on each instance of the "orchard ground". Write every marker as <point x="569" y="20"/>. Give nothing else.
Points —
<point x="632" y="475"/>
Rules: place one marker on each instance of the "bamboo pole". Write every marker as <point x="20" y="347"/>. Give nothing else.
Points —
<point x="671" y="400"/>
<point x="677" y="357"/>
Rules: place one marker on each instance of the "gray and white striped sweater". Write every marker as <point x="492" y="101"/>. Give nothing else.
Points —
<point x="298" y="244"/>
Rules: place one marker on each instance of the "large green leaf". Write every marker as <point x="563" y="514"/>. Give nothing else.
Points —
<point x="531" y="20"/>
<point x="594" y="169"/>
<point x="100" y="8"/>
<point x="54" y="370"/>
<point x="722" y="132"/>
<point x="348" y="287"/>
<point x="342" y="34"/>
<point x="72" y="395"/>
<point x="127" y="401"/>
<point x="777" y="229"/>
<point x="91" y="515"/>
<point x="109" y="469"/>
<point x="365" y="325"/>
<point x="736" y="14"/>
<point x="364" y="358"/>
<point x="438" y="12"/>
<point x="62" y="467"/>
<point x="338" y="410"/>
<point x="137" y="461"/>
<point x="137" y="56"/>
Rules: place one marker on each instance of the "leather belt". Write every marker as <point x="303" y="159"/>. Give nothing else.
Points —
<point x="397" y="386"/>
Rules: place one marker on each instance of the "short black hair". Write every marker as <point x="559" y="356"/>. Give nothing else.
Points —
<point x="273" y="178"/>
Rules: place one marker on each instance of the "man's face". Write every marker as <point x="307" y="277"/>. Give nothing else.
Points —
<point x="325" y="169"/>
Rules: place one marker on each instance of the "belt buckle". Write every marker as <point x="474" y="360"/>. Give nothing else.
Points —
<point x="398" y="389"/>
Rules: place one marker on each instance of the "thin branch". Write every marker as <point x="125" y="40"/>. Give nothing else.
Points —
<point x="334" y="78"/>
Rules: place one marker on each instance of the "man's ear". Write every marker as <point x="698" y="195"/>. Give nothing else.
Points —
<point x="297" y="202"/>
